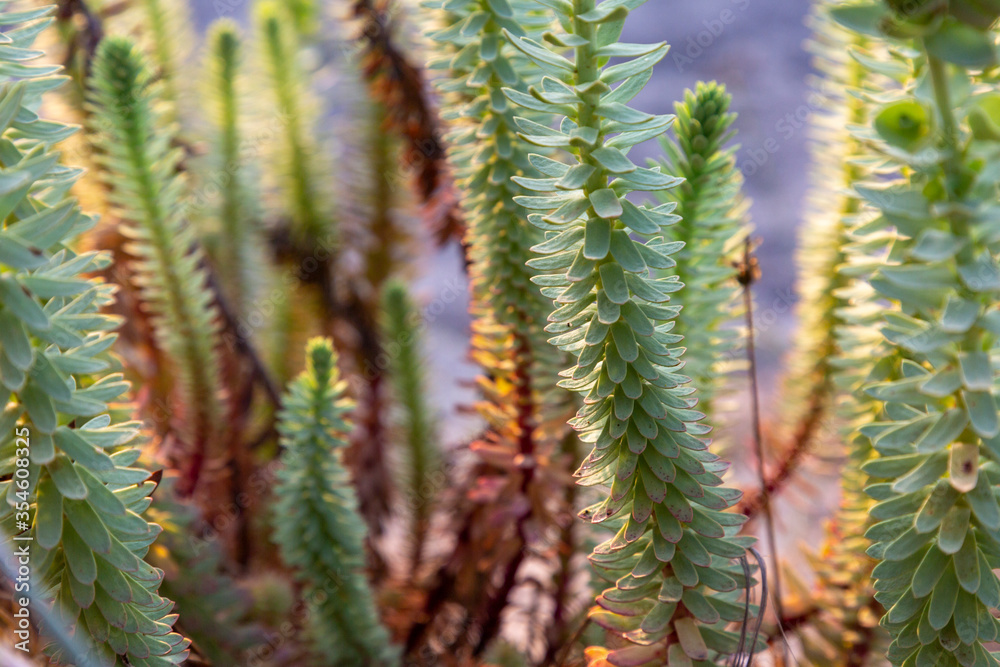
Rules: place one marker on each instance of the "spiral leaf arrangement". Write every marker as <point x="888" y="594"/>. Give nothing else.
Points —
<point x="315" y="521"/>
<point x="476" y="53"/>
<point x="712" y="223"/>
<point x="525" y="414"/>
<point x="485" y="150"/>
<point x="140" y="168"/>
<point x="676" y="582"/>
<point x="487" y="153"/>
<point x="78" y="491"/>
<point x="899" y="276"/>
<point x="931" y="254"/>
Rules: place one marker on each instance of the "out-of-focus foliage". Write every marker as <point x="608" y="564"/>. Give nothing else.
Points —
<point x="238" y="248"/>
<point x="421" y="455"/>
<point x="838" y="622"/>
<point x="167" y="25"/>
<point x="140" y="168"/>
<point x="217" y="611"/>
<point x="711" y="226"/>
<point x="299" y="171"/>
<point x="315" y="519"/>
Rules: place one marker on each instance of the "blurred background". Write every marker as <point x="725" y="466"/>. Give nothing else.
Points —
<point x="757" y="49"/>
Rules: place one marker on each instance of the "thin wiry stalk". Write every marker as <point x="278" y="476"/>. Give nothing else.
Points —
<point x="748" y="274"/>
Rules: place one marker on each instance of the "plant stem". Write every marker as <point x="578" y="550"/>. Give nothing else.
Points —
<point x="949" y="132"/>
<point x="942" y="97"/>
<point x="747" y="278"/>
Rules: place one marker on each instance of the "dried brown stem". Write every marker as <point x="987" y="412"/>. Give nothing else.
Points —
<point x="399" y="85"/>
<point x="491" y="615"/>
<point x="241" y="345"/>
<point x="792" y="454"/>
<point x="749" y="272"/>
<point x="558" y="630"/>
<point x="86" y="41"/>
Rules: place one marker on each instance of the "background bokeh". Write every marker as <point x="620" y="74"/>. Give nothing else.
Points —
<point x="757" y="49"/>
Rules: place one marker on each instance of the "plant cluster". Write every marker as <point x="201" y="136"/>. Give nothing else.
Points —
<point x="589" y="521"/>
